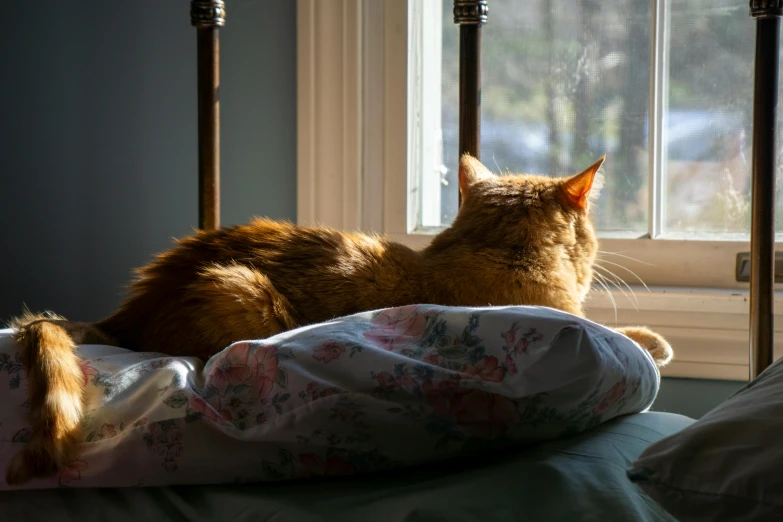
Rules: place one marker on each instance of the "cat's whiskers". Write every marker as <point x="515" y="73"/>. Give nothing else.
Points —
<point x="615" y="279"/>
<point x="620" y="254"/>
<point x="608" y="292"/>
<point x="500" y="171"/>
<point x="624" y="268"/>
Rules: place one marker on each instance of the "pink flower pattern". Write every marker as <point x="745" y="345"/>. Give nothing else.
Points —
<point x="73" y="471"/>
<point x="334" y="466"/>
<point x="397" y="327"/>
<point x="264" y="371"/>
<point x="486" y="369"/>
<point x="611" y="397"/>
<point x="232" y="368"/>
<point x="314" y="391"/>
<point x="88" y="371"/>
<point x="165" y="440"/>
<point x="200" y="406"/>
<point x="328" y="351"/>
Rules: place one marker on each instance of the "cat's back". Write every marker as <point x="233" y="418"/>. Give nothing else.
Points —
<point x="321" y="247"/>
<point x="322" y="271"/>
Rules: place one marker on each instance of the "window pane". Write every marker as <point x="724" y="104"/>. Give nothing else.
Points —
<point x="707" y="178"/>
<point x="710" y="122"/>
<point x="563" y="82"/>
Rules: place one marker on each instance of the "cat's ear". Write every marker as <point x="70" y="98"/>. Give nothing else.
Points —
<point x="470" y="171"/>
<point x="577" y="189"/>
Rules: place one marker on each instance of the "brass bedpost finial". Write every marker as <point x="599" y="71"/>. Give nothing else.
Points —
<point x="470" y="16"/>
<point x="766" y="8"/>
<point x="208" y="13"/>
<point x="471" y="12"/>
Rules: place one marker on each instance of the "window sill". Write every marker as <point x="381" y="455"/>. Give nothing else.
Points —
<point x="708" y="328"/>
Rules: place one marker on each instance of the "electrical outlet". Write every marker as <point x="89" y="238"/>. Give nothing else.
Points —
<point x="743" y="267"/>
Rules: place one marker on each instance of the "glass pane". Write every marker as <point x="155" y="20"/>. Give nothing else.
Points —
<point x="707" y="179"/>
<point x="563" y="82"/>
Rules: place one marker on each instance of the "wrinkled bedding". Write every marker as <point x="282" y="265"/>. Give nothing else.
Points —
<point x="375" y="391"/>
<point x="574" y="478"/>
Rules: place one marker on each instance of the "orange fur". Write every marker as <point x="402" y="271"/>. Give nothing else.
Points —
<point x="521" y="239"/>
<point x="56" y="385"/>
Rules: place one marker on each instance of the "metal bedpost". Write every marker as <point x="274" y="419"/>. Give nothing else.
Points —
<point x="762" y="236"/>
<point x="470" y="15"/>
<point x="208" y="16"/>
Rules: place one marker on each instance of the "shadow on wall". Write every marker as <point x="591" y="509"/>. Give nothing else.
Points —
<point x="98" y="140"/>
<point x="693" y="397"/>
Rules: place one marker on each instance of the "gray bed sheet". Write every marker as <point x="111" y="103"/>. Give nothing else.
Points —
<point x="580" y="478"/>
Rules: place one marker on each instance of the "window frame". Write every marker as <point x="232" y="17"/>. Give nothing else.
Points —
<point x="359" y="99"/>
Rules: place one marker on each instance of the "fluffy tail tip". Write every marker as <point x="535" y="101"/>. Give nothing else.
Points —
<point x="34" y="461"/>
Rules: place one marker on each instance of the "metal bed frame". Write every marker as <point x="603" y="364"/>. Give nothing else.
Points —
<point x="762" y="230"/>
<point x="208" y="16"/>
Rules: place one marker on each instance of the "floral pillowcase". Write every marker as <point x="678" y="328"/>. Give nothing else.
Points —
<point x="373" y="391"/>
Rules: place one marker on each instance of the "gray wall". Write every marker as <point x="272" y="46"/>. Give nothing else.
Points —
<point x="693" y="397"/>
<point x="98" y="139"/>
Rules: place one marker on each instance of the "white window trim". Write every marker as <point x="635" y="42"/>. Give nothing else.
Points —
<point x="352" y="115"/>
<point x="329" y="113"/>
<point x="356" y="162"/>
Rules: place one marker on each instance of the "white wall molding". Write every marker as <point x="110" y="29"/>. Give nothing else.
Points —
<point x="373" y="114"/>
<point x="708" y="329"/>
<point x="353" y="114"/>
<point x="329" y="113"/>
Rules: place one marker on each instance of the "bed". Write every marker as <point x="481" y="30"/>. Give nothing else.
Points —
<point x="582" y="478"/>
<point x="578" y="475"/>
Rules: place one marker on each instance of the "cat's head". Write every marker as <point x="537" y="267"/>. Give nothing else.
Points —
<point x="538" y="224"/>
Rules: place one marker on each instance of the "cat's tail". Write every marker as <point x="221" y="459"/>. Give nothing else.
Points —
<point x="56" y="385"/>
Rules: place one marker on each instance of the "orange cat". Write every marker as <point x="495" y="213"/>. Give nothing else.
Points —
<point x="516" y="240"/>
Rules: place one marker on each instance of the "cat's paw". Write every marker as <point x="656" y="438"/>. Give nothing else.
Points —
<point x="660" y="350"/>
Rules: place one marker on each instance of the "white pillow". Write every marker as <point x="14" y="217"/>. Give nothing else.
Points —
<point x="372" y="391"/>
<point x="726" y="466"/>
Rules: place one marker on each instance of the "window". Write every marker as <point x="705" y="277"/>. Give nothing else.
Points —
<point x="662" y="86"/>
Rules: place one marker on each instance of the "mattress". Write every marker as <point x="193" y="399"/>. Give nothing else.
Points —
<point x="582" y="477"/>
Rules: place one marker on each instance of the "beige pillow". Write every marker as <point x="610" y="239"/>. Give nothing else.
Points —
<point x="726" y="466"/>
